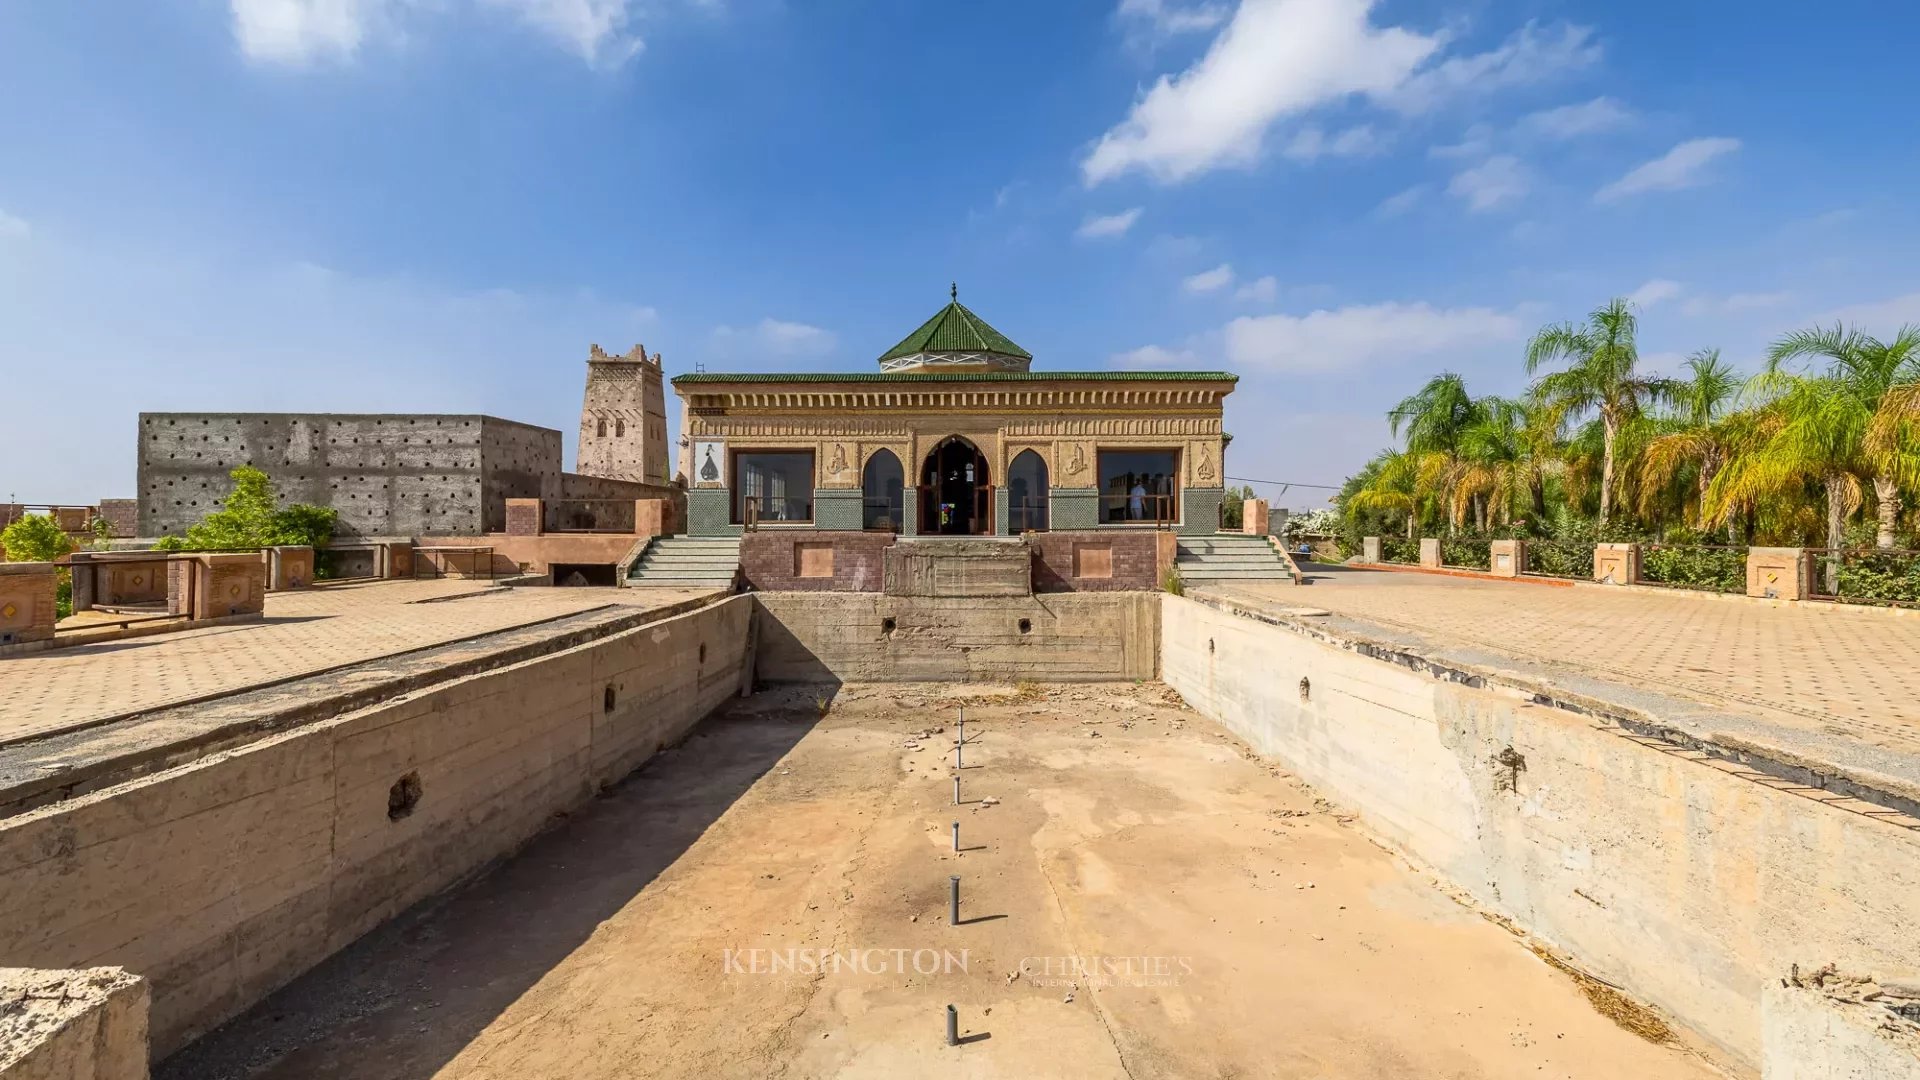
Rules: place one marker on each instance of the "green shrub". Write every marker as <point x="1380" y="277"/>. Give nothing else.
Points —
<point x="1470" y="554"/>
<point x="1555" y="558"/>
<point x="1399" y="549"/>
<point x="1888" y="576"/>
<point x="253" y="518"/>
<point x="1172" y="583"/>
<point x="35" y="538"/>
<point x="1687" y="567"/>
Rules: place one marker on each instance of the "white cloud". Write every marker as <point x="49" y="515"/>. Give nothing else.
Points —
<point x="13" y="228"/>
<point x="1531" y="55"/>
<point x="776" y="337"/>
<point x="1497" y="180"/>
<point x="1683" y="166"/>
<point x="1155" y="356"/>
<point x="1395" y="205"/>
<point x="1098" y="228"/>
<point x="1656" y="291"/>
<point x="1477" y="142"/>
<point x="1734" y="303"/>
<point x="1157" y="19"/>
<point x="1262" y="290"/>
<point x="1312" y="143"/>
<point x="1573" y="121"/>
<point x="1275" y="59"/>
<point x="1880" y="318"/>
<point x="1349" y="338"/>
<point x="1208" y="281"/>
<point x="597" y="30"/>
<point x="301" y="33"/>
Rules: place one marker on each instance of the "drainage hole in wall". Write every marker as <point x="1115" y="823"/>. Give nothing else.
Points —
<point x="1209" y="644"/>
<point x="703" y="652"/>
<point x="403" y="796"/>
<point x="1026" y="626"/>
<point x="887" y="626"/>
<point x="606" y="699"/>
<point x="1306" y="690"/>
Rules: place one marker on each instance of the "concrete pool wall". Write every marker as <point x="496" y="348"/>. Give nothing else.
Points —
<point x="220" y="880"/>
<point x="1689" y="883"/>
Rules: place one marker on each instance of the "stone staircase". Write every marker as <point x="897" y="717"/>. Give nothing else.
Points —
<point x="687" y="562"/>
<point x="1226" y="557"/>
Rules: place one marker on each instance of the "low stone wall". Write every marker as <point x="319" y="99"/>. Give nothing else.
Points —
<point x="215" y="586"/>
<point x="1691" y="883"/>
<point x="867" y="637"/>
<point x="1094" y="561"/>
<point x="791" y="560"/>
<point x="72" y="1025"/>
<point x="220" y="880"/>
<point x="28" y="601"/>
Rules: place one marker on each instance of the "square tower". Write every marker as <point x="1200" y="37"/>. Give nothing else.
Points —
<point x="623" y="424"/>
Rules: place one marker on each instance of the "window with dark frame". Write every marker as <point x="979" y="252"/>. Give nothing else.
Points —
<point x="1138" y="487"/>
<point x="779" y="484"/>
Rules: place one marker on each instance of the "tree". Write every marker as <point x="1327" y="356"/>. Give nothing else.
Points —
<point x="1388" y="486"/>
<point x="35" y="538"/>
<point x="1849" y="421"/>
<point x="1233" y="506"/>
<point x="1505" y="453"/>
<point x="252" y="518"/>
<point x="1697" y="437"/>
<point x="1435" y="419"/>
<point x="1601" y="376"/>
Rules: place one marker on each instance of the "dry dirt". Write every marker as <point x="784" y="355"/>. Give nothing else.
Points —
<point x="1266" y="937"/>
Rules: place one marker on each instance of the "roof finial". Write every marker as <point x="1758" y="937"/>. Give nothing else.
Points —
<point x="953" y="292"/>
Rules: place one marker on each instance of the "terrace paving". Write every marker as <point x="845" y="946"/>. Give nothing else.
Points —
<point x="1831" y="682"/>
<point x="302" y="633"/>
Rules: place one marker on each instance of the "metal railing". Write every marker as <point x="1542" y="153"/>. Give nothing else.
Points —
<point x="1400" y="550"/>
<point x="1703" y="567"/>
<point x="1466" y="553"/>
<point x="882" y="515"/>
<point x="1156" y="510"/>
<point x="1559" y="558"/>
<point x="1887" y="576"/>
<point x="444" y="561"/>
<point x="587" y="516"/>
<point x="1027" y="515"/>
<point x="756" y="510"/>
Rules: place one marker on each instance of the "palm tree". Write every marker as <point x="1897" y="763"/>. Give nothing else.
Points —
<point x="1697" y="435"/>
<point x="1505" y="454"/>
<point x="1602" y="376"/>
<point x="1435" y="418"/>
<point x="1390" y="484"/>
<point x="1853" y="421"/>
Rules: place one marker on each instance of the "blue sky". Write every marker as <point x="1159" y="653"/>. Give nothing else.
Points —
<point x="435" y="205"/>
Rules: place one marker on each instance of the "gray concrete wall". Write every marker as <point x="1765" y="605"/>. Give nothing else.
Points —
<point x="387" y="475"/>
<point x="1691" y="883"/>
<point x="221" y="880"/>
<point x="845" y="637"/>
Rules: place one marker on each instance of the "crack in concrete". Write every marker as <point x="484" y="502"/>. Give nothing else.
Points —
<point x="1093" y="993"/>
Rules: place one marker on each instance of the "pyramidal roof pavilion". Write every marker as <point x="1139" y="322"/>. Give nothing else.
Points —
<point x="956" y="339"/>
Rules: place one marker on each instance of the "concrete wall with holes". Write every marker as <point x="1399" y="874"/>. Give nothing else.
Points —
<point x="221" y="880"/>
<point x="1690" y="883"/>
<point x="868" y="637"/>
<point x="387" y="475"/>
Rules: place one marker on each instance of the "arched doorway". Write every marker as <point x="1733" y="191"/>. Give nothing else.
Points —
<point x="955" y="497"/>
<point x="881" y="485"/>
<point x="1027" y="493"/>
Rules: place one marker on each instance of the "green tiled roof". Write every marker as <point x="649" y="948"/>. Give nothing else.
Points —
<point x="955" y="329"/>
<point x="955" y="376"/>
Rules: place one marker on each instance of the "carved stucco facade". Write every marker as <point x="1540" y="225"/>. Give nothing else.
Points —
<point x="1066" y="422"/>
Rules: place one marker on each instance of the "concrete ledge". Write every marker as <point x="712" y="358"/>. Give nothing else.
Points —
<point x="1477" y="575"/>
<point x="86" y="1024"/>
<point x="1809" y="1034"/>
